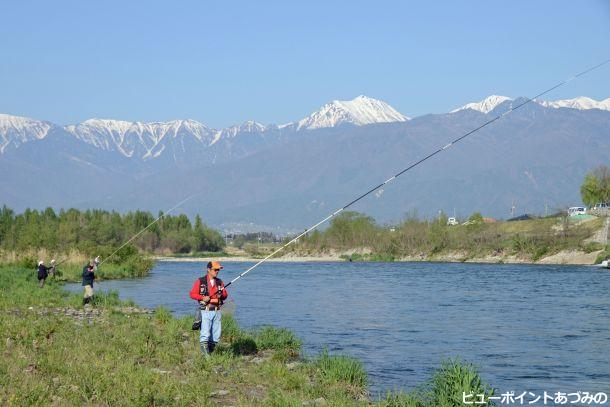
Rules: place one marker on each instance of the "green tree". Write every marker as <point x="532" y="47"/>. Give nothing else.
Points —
<point x="596" y="186"/>
<point x="351" y="229"/>
<point x="476" y="218"/>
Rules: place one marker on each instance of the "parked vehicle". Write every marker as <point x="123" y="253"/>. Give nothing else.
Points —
<point x="602" y="205"/>
<point x="577" y="210"/>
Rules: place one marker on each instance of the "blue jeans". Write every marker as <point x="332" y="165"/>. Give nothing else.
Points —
<point x="210" y="326"/>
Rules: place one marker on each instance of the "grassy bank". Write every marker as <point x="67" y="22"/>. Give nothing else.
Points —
<point x="54" y="352"/>
<point x="528" y="240"/>
<point x="126" y="263"/>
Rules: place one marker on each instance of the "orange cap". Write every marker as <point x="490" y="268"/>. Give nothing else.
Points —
<point x="216" y="265"/>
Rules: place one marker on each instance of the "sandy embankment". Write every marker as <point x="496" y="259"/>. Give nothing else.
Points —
<point x="573" y="257"/>
<point x="284" y="259"/>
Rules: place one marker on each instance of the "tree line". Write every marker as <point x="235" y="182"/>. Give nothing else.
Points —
<point x="89" y="230"/>
<point x="423" y="238"/>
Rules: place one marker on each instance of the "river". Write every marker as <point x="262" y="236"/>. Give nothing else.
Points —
<point x="527" y="327"/>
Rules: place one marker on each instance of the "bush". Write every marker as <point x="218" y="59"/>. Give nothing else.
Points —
<point x="341" y="369"/>
<point x="27" y="262"/>
<point x="591" y="247"/>
<point x="446" y="388"/>
<point x="603" y="255"/>
<point x="455" y="378"/>
<point x="244" y="346"/>
<point x="402" y="399"/>
<point x="270" y="337"/>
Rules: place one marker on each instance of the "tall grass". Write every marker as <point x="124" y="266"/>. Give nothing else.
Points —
<point x="339" y="368"/>
<point x="448" y="385"/>
<point x="605" y="255"/>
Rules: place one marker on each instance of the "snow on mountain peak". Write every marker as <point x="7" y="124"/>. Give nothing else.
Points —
<point x="16" y="130"/>
<point x="127" y="137"/>
<point x="580" y="103"/>
<point x="486" y="105"/>
<point x="358" y="111"/>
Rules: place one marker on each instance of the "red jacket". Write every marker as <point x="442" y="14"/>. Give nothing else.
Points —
<point x="197" y="294"/>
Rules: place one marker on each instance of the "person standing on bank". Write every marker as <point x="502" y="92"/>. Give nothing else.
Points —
<point x="43" y="273"/>
<point x="210" y="291"/>
<point x="88" y="277"/>
<point x="53" y="268"/>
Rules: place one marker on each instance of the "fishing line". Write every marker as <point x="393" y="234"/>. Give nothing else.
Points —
<point x="148" y="226"/>
<point x="415" y="164"/>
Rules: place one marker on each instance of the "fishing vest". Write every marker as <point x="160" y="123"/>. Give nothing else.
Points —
<point x="203" y="289"/>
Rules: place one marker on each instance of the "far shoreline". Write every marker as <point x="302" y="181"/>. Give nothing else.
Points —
<point x="566" y="257"/>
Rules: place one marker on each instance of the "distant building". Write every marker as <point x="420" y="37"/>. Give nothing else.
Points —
<point x="577" y="210"/>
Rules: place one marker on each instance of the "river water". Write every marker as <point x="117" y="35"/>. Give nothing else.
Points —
<point x="527" y="327"/>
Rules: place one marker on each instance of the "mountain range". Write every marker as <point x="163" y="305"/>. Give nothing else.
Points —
<point x="285" y="176"/>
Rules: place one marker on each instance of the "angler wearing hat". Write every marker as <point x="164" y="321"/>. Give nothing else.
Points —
<point x="210" y="291"/>
<point x="53" y="268"/>
<point x="43" y="273"/>
<point x="88" y="278"/>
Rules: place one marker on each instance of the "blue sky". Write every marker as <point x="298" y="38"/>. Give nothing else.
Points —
<point x="276" y="61"/>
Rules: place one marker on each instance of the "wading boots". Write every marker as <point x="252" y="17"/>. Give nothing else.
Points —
<point x="204" y="346"/>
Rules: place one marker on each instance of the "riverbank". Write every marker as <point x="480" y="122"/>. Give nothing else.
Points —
<point x="553" y="240"/>
<point x="567" y="257"/>
<point x="58" y="353"/>
<point x="355" y="237"/>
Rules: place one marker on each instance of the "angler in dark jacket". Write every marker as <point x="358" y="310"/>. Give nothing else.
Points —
<point x="88" y="277"/>
<point x="43" y="273"/>
<point x="210" y="291"/>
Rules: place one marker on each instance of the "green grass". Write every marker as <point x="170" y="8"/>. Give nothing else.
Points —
<point x="341" y="369"/>
<point x="446" y="388"/>
<point x="54" y="354"/>
<point x="603" y="255"/>
<point x="270" y="337"/>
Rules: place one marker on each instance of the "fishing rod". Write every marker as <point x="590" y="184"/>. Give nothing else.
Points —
<point x="148" y="226"/>
<point x="415" y="164"/>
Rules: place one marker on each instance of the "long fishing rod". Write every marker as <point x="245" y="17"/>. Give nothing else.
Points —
<point x="415" y="164"/>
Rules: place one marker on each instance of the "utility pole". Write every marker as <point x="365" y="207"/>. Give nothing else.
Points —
<point x="512" y="209"/>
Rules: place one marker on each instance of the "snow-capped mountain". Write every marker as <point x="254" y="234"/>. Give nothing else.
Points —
<point x="580" y="103"/>
<point x="16" y="130"/>
<point x="250" y="126"/>
<point x="150" y="140"/>
<point x="145" y="140"/>
<point x="486" y="105"/>
<point x="187" y="140"/>
<point x="358" y="111"/>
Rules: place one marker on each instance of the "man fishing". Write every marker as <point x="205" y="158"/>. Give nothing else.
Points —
<point x="53" y="268"/>
<point x="88" y="277"/>
<point x="210" y="291"/>
<point x="43" y="273"/>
